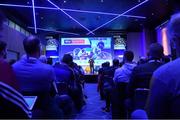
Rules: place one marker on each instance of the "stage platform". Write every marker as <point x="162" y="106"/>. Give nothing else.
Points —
<point x="91" y="78"/>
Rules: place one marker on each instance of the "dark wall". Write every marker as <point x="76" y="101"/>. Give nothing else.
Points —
<point x="139" y="42"/>
<point x="14" y="39"/>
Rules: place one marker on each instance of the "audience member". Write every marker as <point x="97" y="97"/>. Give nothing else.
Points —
<point x="36" y="78"/>
<point x="108" y="84"/>
<point x="166" y="59"/>
<point x="141" y="74"/>
<point x="50" y="61"/>
<point x="142" y="60"/>
<point x="164" y="99"/>
<point x="100" y="82"/>
<point x="6" y="73"/>
<point x="77" y="93"/>
<point x="121" y="79"/>
<point x="63" y="72"/>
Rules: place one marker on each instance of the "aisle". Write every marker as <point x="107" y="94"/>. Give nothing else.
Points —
<point x="92" y="110"/>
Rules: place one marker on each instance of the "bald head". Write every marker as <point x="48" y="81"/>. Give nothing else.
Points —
<point x="31" y="45"/>
<point x="156" y="51"/>
<point x="174" y="31"/>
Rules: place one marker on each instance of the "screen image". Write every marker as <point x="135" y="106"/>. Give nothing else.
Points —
<point x="52" y="49"/>
<point x="82" y="49"/>
<point x="119" y="46"/>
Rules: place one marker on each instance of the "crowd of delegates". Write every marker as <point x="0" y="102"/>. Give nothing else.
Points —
<point x="150" y="88"/>
<point x="59" y="88"/>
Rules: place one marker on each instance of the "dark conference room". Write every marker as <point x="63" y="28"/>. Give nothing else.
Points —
<point x="89" y="59"/>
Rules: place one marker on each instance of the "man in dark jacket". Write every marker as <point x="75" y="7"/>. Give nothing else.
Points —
<point x="141" y="74"/>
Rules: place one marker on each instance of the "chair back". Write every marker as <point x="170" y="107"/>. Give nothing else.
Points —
<point x="62" y="88"/>
<point x="140" y="98"/>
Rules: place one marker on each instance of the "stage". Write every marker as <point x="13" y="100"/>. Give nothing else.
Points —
<point x="91" y="78"/>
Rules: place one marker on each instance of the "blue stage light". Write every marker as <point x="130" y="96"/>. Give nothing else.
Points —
<point x="119" y="16"/>
<point x="72" y="10"/>
<point x="56" y="31"/>
<point x="70" y="17"/>
<point x="34" y="16"/>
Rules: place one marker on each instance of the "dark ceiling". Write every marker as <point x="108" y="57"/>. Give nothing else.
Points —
<point x="154" y="11"/>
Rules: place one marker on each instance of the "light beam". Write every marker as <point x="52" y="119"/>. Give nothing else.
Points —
<point x="70" y="17"/>
<point x="34" y="17"/>
<point x="72" y="10"/>
<point x="119" y="16"/>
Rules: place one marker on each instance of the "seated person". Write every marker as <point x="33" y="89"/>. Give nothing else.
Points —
<point x="36" y="78"/>
<point x="6" y="73"/>
<point x="141" y="74"/>
<point x="121" y="79"/>
<point x="164" y="98"/>
<point x="64" y="74"/>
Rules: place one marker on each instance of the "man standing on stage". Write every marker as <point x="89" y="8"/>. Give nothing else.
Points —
<point x="91" y="64"/>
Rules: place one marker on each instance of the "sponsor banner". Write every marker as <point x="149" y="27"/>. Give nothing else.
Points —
<point x="75" y="41"/>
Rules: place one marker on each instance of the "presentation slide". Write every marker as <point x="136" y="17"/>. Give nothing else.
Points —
<point x="82" y="49"/>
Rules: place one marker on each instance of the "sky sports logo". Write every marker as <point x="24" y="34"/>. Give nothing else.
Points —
<point x="76" y="41"/>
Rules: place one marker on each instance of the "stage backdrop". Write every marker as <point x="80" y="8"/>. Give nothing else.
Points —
<point x="101" y="49"/>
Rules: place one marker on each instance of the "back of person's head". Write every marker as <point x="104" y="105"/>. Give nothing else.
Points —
<point x="67" y="59"/>
<point x="43" y="59"/>
<point x="49" y="61"/>
<point x="31" y="45"/>
<point x="155" y="51"/>
<point x="128" y="56"/>
<point x="142" y="60"/>
<point x="107" y="64"/>
<point x="3" y="46"/>
<point x="173" y="30"/>
<point x="166" y="59"/>
<point x="115" y="62"/>
<point x="103" y="65"/>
